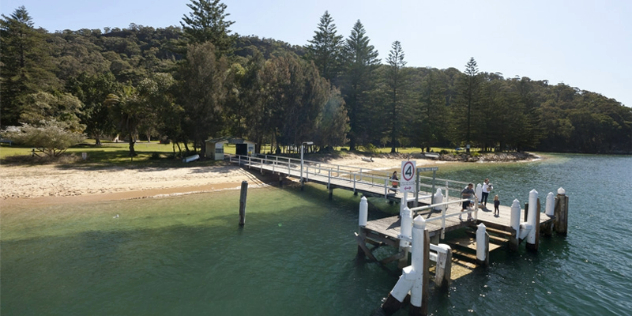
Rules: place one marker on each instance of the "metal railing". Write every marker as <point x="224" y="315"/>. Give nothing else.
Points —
<point x="292" y="166"/>
<point x="443" y="212"/>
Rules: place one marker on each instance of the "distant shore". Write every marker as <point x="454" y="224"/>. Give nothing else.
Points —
<point x="55" y="184"/>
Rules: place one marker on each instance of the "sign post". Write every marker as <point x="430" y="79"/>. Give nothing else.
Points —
<point x="407" y="182"/>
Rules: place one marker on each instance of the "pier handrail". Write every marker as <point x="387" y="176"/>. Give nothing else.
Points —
<point x="443" y="212"/>
<point x="355" y="175"/>
<point x="327" y="170"/>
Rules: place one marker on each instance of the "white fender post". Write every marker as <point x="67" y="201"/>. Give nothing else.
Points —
<point x="515" y="223"/>
<point x="405" y="237"/>
<point x="364" y="212"/>
<point x="438" y="198"/>
<point x="482" y="245"/>
<point x="414" y="277"/>
<point x="550" y="204"/>
<point x="532" y="219"/>
<point x="405" y="228"/>
<point x="419" y="260"/>
<point x="479" y="192"/>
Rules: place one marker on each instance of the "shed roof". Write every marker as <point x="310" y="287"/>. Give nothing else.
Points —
<point x="230" y="140"/>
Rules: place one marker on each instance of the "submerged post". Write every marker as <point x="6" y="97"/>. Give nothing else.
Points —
<point x="242" y="203"/>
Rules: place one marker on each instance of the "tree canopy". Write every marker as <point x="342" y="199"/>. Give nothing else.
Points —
<point x="198" y="80"/>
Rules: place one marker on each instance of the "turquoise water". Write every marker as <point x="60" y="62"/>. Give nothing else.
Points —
<point x="186" y="255"/>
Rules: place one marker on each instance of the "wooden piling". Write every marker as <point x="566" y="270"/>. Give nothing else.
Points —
<point x="443" y="269"/>
<point x="561" y="214"/>
<point x="242" y="203"/>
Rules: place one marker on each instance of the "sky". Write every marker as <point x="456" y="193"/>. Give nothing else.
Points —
<point x="582" y="43"/>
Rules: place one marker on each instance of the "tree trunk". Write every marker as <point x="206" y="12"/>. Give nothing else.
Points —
<point x="132" y="141"/>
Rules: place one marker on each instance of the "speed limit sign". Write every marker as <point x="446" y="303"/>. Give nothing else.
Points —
<point x="407" y="183"/>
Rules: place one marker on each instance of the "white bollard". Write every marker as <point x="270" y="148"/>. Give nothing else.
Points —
<point x="550" y="204"/>
<point x="417" y="260"/>
<point x="531" y="218"/>
<point x="480" y="242"/>
<point x="515" y="216"/>
<point x="479" y="192"/>
<point x="406" y="227"/>
<point x="364" y="212"/>
<point x="438" y="198"/>
<point x="411" y="280"/>
<point x="561" y="191"/>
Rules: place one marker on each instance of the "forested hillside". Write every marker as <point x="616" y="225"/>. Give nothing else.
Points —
<point x="198" y="80"/>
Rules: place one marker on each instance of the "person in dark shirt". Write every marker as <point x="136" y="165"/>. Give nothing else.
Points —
<point x="496" y="205"/>
<point x="468" y="193"/>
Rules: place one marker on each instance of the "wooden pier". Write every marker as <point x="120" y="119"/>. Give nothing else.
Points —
<point x="434" y="215"/>
<point x="359" y="180"/>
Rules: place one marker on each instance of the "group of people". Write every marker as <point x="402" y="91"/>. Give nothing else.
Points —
<point x="468" y="193"/>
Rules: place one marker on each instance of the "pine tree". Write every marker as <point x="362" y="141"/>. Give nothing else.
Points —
<point x="26" y="66"/>
<point x="360" y="60"/>
<point x="207" y="23"/>
<point x="395" y="80"/>
<point x="324" y="48"/>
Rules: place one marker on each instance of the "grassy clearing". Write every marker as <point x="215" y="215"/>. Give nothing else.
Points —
<point x="151" y="154"/>
<point x="154" y="154"/>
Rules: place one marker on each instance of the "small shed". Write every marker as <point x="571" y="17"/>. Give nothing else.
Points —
<point x="215" y="147"/>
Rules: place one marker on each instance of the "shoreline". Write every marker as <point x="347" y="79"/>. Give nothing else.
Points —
<point x="56" y="184"/>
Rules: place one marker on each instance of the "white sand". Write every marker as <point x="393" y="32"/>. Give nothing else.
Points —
<point x="21" y="184"/>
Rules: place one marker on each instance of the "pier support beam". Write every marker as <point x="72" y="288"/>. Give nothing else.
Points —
<point x="561" y="212"/>
<point x="482" y="245"/>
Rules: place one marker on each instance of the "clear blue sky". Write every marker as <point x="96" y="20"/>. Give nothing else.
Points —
<point x="585" y="44"/>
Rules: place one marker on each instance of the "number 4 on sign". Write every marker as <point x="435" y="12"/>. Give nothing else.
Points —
<point x="408" y="170"/>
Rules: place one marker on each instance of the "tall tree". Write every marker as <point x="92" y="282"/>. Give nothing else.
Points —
<point x="359" y="62"/>
<point x="324" y="48"/>
<point x="466" y="105"/>
<point x="429" y="127"/>
<point x="26" y="65"/>
<point x="202" y="92"/>
<point x="92" y="91"/>
<point x="471" y="70"/>
<point x="207" y="23"/>
<point x="395" y="80"/>
<point x="128" y="108"/>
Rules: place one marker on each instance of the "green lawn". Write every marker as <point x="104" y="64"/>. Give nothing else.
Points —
<point x="155" y="154"/>
<point x="109" y="153"/>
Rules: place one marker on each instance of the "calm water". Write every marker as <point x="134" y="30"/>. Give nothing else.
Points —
<point x="187" y="256"/>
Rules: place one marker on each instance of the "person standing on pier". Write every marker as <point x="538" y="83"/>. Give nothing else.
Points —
<point x="394" y="180"/>
<point x="496" y="205"/>
<point x="486" y="189"/>
<point x="468" y="193"/>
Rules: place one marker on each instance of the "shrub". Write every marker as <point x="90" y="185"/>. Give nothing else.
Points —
<point x="370" y="148"/>
<point x="52" y="138"/>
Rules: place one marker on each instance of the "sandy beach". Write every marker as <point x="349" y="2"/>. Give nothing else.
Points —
<point x="53" y="184"/>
